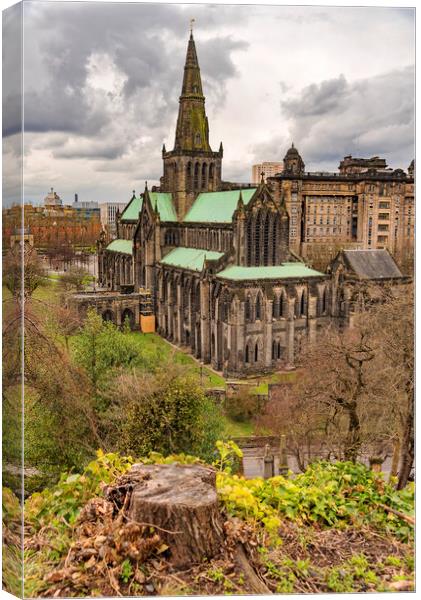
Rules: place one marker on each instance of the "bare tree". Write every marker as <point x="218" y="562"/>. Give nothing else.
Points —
<point x="74" y="279"/>
<point x="23" y="272"/>
<point x="354" y="394"/>
<point x="392" y="324"/>
<point x="335" y="409"/>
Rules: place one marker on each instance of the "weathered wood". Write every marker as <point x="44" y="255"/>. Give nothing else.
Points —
<point x="256" y="584"/>
<point x="398" y="513"/>
<point x="181" y="501"/>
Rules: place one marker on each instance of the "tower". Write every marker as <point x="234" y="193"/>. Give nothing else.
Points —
<point x="293" y="163"/>
<point x="191" y="167"/>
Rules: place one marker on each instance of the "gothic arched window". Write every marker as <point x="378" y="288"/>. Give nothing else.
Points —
<point x="257" y="241"/>
<point x="225" y="307"/>
<point x="196" y="176"/>
<point x="247" y="354"/>
<point x="256" y="353"/>
<point x="258" y="311"/>
<point x="195" y="302"/>
<point x="273" y="350"/>
<point x="303" y="305"/>
<point x="279" y="350"/>
<point x="266" y="241"/>
<point x="324" y="301"/>
<point x="189" y="177"/>
<point x="249" y="242"/>
<point x="275" y="240"/>
<point x="211" y="173"/>
<point x="275" y="307"/>
<point x="186" y="295"/>
<point x="164" y="289"/>
<point x="282" y="305"/>
<point x="204" y="172"/>
<point x="247" y="309"/>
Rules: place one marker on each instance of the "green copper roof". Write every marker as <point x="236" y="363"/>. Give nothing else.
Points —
<point x="284" y="271"/>
<point x="217" y="207"/>
<point x="160" y="201"/>
<point x="190" y="258"/>
<point x="163" y="203"/>
<point x="131" y="212"/>
<point x="123" y="246"/>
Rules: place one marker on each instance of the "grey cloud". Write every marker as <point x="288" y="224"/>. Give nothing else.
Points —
<point x="273" y="149"/>
<point x="93" y="150"/>
<point x="217" y="66"/>
<point x="54" y="111"/>
<point x="330" y="119"/>
<point x="317" y="99"/>
<point x="147" y="43"/>
<point x="12" y="70"/>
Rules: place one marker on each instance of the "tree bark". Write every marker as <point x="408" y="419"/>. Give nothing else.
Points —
<point x="407" y="450"/>
<point x="395" y="458"/>
<point x="181" y="502"/>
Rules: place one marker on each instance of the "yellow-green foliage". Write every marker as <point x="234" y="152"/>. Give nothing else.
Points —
<point x="331" y="494"/>
<point x="335" y="495"/>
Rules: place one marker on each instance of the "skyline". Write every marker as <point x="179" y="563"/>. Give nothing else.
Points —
<point x="102" y="84"/>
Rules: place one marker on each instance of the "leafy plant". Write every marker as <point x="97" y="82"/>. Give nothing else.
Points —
<point x="331" y="494"/>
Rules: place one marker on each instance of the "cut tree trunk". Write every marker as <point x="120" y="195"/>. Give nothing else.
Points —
<point x="181" y="502"/>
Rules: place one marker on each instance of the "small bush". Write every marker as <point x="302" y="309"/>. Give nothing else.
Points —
<point x="242" y="406"/>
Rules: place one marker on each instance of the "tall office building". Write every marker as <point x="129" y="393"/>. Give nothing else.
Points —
<point x="269" y="169"/>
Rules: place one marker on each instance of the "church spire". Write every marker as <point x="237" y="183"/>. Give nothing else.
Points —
<point x="192" y="81"/>
<point x="192" y="131"/>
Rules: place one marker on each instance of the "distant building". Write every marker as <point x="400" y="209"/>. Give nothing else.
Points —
<point x="86" y="208"/>
<point x="52" y="226"/>
<point x="269" y="169"/>
<point x="52" y="199"/>
<point x="22" y="236"/>
<point x="109" y="212"/>
<point x="365" y="205"/>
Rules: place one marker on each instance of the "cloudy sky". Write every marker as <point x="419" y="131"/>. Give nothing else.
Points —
<point x="102" y="81"/>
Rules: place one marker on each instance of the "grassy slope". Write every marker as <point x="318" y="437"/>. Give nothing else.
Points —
<point x="152" y="341"/>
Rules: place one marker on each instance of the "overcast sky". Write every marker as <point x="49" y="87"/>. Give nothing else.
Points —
<point x="102" y="83"/>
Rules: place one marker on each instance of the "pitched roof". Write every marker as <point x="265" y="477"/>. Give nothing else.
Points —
<point x="123" y="246"/>
<point x="372" y="264"/>
<point x="192" y="259"/>
<point x="131" y="212"/>
<point x="285" y="271"/>
<point x="160" y="201"/>
<point x="217" y="207"/>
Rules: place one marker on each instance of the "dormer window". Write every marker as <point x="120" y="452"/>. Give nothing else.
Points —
<point x="197" y="139"/>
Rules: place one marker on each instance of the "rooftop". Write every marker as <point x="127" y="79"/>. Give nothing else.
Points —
<point x="162" y="202"/>
<point x="123" y="246"/>
<point x="285" y="271"/>
<point x="372" y="264"/>
<point x="192" y="259"/>
<point x="217" y="207"/>
<point x="131" y="212"/>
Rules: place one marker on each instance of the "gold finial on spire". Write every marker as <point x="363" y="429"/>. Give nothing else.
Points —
<point x="191" y="25"/>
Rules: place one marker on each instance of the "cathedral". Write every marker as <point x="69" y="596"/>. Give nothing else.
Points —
<point x="209" y="265"/>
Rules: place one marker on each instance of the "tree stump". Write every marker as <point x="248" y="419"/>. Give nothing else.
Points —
<point x="181" y="502"/>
